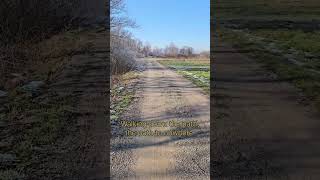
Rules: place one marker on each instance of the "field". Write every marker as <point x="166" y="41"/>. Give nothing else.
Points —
<point x="196" y="70"/>
<point x="267" y="88"/>
<point x="272" y="9"/>
<point x="282" y="35"/>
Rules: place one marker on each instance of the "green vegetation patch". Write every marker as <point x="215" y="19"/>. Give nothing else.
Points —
<point x="297" y="39"/>
<point x="197" y="70"/>
<point x="196" y="62"/>
<point x="305" y="9"/>
<point x="33" y="128"/>
<point x="301" y="71"/>
<point x="199" y="78"/>
<point x="122" y="93"/>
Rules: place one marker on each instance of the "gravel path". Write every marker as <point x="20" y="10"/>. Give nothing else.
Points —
<point x="163" y="96"/>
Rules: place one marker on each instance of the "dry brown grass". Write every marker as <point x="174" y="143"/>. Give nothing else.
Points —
<point x="23" y="24"/>
<point x="42" y="60"/>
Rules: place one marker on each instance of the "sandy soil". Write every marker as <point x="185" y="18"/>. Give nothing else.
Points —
<point x="164" y="95"/>
<point x="262" y="128"/>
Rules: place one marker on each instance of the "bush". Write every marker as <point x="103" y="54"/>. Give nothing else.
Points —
<point x="122" y="60"/>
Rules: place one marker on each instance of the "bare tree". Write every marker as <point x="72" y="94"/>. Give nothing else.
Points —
<point x="139" y="46"/>
<point x="118" y="19"/>
<point x="123" y="47"/>
<point x="157" y="52"/>
<point x="147" y="49"/>
<point x="186" y="51"/>
<point x="172" y="50"/>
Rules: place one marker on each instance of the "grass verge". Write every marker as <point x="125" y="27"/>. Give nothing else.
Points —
<point x="37" y="131"/>
<point x="43" y="60"/>
<point x="122" y="93"/>
<point x="196" y="70"/>
<point x="31" y="132"/>
<point x="277" y="55"/>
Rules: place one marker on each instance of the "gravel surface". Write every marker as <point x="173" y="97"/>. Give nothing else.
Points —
<point x="164" y="96"/>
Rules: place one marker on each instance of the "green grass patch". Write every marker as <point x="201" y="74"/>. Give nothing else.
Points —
<point x="197" y="71"/>
<point x="203" y="74"/>
<point x="300" y="76"/>
<point x="297" y="39"/>
<point x="303" y="9"/>
<point x="203" y="82"/>
<point x="11" y="175"/>
<point x="185" y="62"/>
<point x="121" y="94"/>
<point x="32" y="125"/>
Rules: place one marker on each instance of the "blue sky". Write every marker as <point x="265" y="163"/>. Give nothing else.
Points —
<point x="183" y="22"/>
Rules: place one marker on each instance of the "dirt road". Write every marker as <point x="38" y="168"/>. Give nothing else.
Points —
<point x="163" y="96"/>
<point x="263" y="129"/>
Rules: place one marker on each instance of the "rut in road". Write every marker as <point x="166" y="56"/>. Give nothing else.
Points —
<point x="266" y="129"/>
<point x="164" y="96"/>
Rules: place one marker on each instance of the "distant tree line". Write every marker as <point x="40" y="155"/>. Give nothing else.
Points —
<point x="170" y="51"/>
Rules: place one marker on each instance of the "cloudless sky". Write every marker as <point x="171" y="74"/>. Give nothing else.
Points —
<point x="183" y="22"/>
